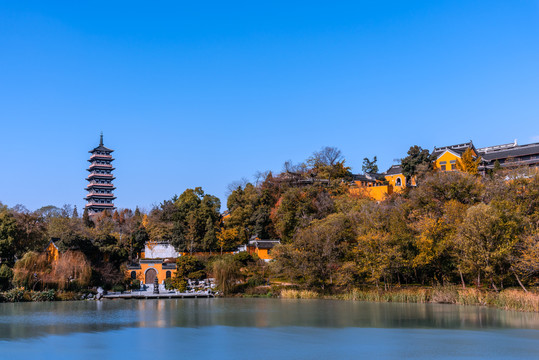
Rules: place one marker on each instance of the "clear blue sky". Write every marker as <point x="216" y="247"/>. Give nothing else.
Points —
<point x="204" y="93"/>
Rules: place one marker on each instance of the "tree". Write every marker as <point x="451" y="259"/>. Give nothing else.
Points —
<point x="6" y="274"/>
<point x="487" y="238"/>
<point x="31" y="235"/>
<point x="327" y="156"/>
<point x="72" y="270"/>
<point x="8" y="236"/>
<point x="227" y="238"/>
<point x="188" y="215"/>
<point x="226" y="273"/>
<point x="31" y="269"/>
<point x="210" y="239"/>
<point x="439" y="187"/>
<point x="86" y="221"/>
<point x="468" y="163"/>
<point x="369" y="166"/>
<point x="316" y="251"/>
<point x="379" y="242"/>
<point x="418" y="159"/>
<point x="187" y="266"/>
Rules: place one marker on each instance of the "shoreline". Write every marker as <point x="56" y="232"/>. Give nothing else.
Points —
<point x="508" y="299"/>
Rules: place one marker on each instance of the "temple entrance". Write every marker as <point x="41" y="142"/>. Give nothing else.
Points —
<point x="151" y="274"/>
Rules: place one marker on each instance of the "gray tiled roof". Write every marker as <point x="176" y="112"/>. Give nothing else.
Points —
<point x="394" y="170"/>
<point x="458" y="148"/>
<point x="264" y="244"/>
<point x="101" y="148"/>
<point x="514" y="152"/>
<point x="367" y="177"/>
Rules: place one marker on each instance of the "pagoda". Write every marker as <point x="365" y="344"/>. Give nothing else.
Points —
<point x="100" y="196"/>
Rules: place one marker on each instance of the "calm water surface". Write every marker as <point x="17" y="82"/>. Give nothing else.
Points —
<point x="262" y="329"/>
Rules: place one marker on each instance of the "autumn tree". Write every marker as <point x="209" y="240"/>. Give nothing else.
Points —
<point x="228" y="239"/>
<point x="328" y="163"/>
<point x="298" y="207"/>
<point x="469" y="162"/>
<point x="226" y="272"/>
<point x="316" y="251"/>
<point x="487" y="237"/>
<point x="32" y="270"/>
<point x="72" y="270"/>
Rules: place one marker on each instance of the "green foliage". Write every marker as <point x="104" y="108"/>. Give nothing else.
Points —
<point x="417" y="161"/>
<point x="189" y="215"/>
<point x="316" y="250"/>
<point x="135" y="284"/>
<point x="243" y="258"/>
<point x="185" y="265"/>
<point x="169" y="284"/>
<point x="369" y="166"/>
<point x="118" y="288"/>
<point x="298" y="207"/>
<point x="188" y="267"/>
<point x="14" y="295"/>
<point x="6" y="275"/>
<point x="8" y="235"/>
<point x="47" y="295"/>
<point x="487" y="237"/>
<point x="226" y="273"/>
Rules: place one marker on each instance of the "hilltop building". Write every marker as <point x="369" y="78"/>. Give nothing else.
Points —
<point x="447" y="158"/>
<point x="378" y="186"/>
<point x="100" y="188"/>
<point x="509" y="155"/>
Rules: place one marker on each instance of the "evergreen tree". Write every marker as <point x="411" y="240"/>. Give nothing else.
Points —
<point x="86" y="221"/>
<point x="210" y="238"/>
<point x="370" y="167"/>
<point x="416" y="159"/>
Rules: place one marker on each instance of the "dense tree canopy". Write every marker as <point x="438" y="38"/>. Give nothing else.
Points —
<point x="454" y="227"/>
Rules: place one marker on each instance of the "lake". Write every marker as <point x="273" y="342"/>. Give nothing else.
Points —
<point x="263" y="329"/>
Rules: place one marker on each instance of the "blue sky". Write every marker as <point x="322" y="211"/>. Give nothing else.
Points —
<point x="205" y="93"/>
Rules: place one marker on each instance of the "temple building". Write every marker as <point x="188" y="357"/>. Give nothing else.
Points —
<point x="260" y="248"/>
<point x="158" y="260"/>
<point x="509" y="156"/>
<point x="100" y="188"/>
<point x="379" y="186"/>
<point x="448" y="158"/>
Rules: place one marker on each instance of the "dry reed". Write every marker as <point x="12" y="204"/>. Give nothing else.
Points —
<point x="299" y="294"/>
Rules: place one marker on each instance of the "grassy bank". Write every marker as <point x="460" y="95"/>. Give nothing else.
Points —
<point x="507" y="299"/>
<point x="22" y="295"/>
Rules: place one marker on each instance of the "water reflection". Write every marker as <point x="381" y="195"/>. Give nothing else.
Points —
<point x="27" y="320"/>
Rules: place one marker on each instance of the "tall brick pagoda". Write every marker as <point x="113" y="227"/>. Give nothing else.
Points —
<point x="100" y="196"/>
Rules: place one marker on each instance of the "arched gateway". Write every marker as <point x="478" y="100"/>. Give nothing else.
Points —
<point x="151" y="274"/>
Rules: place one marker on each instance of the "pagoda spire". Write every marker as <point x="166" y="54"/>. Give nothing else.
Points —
<point x="100" y="189"/>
